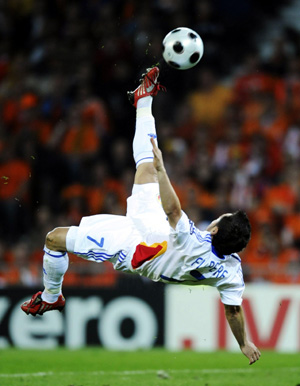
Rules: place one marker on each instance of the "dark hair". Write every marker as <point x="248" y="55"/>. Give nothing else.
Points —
<point x="233" y="234"/>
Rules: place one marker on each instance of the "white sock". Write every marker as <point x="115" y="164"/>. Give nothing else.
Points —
<point x="144" y="130"/>
<point x="55" y="265"/>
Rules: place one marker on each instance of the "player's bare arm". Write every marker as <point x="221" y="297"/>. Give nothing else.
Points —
<point x="170" y="201"/>
<point x="235" y="318"/>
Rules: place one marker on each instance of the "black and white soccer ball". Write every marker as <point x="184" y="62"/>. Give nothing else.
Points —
<point x="182" y="48"/>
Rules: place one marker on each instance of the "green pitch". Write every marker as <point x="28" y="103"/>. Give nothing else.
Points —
<point x="95" y="366"/>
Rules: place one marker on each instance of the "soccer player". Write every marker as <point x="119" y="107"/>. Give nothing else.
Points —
<point x="155" y="239"/>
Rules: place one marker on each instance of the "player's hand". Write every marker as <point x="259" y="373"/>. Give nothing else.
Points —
<point x="251" y="352"/>
<point x="158" y="162"/>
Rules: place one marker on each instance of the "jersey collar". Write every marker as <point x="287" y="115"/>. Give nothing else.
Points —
<point x="214" y="251"/>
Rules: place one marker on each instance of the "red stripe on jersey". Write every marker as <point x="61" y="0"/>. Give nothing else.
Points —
<point x="144" y="252"/>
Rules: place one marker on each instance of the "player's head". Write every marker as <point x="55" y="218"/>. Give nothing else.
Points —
<point x="231" y="232"/>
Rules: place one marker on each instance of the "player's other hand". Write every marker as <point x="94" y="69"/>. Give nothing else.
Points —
<point x="158" y="162"/>
<point x="251" y="352"/>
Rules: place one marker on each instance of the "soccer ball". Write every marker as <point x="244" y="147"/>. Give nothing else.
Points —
<point x="182" y="48"/>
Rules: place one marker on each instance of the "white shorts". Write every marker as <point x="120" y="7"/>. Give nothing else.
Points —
<point x="109" y="237"/>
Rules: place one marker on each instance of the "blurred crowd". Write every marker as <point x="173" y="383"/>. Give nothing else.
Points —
<point x="229" y="129"/>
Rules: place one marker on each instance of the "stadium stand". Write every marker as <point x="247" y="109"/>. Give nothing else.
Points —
<point x="66" y="126"/>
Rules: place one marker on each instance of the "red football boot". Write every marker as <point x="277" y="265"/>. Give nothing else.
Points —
<point x="38" y="306"/>
<point x="149" y="86"/>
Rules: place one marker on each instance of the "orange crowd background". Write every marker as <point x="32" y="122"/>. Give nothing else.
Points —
<point x="229" y="132"/>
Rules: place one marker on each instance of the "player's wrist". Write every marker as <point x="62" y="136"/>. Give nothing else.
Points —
<point x="244" y="344"/>
<point x="161" y="169"/>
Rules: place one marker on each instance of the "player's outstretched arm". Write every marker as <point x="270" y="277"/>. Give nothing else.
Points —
<point x="235" y="318"/>
<point x="170" y="201"/>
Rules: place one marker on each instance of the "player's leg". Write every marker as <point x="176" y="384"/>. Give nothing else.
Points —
<point x="56" y="239"/>
<point x="142" y="98"/>
<point x="98" y="238"/>
<point x="142" y="148"/>
<point x="143" y="206"/>
<point x="55" y="265"/>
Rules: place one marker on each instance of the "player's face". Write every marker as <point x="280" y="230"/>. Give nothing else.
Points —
<point x="216" y="221"/>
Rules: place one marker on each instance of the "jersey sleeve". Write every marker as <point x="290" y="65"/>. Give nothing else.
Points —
<point x="232" y="296"/>
<point x="182" y="230"/>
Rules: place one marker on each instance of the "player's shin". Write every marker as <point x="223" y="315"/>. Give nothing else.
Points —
<point x="144" y="130"/>
<point x="55" y="265"/>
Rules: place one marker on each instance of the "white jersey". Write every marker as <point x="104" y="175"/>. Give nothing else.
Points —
<point x="142" y="242"/>
<point x="191" y="259"/>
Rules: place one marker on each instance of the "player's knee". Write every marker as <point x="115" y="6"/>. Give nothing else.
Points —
<point x="145" y="173"/>
<point x="55" y="240"/>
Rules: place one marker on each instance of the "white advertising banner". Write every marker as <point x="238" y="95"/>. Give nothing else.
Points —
<point x="195" y="318"/>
